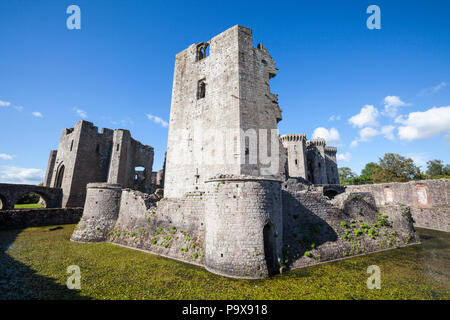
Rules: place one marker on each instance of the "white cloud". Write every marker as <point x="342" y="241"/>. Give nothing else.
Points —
<point x="5" y="156"/>
<point x="334" y="117"/>
<point x="366" y="117"/>
<point x="4" y="103"/>
<point x="37" y="114"/>
<point x="421" y="125"/>
<point x="11" y="174"/>
<point x="419" y="159"/>
<point x="388" y="132"/>
<point x="157" y="120"/>
<point x="81" y="113"/>
<point x="19" y="108"/>
<point x="367" y="134"/>
<point x="344" y="156"/>
<point x="331" y="136"/>
<point x="432" y="90"/>
<point x="391" y="105"/>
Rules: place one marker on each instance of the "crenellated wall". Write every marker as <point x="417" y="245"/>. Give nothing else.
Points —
<point x="429" y="200"/>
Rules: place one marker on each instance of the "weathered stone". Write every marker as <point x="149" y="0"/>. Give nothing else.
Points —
<point x="11" y="193"/>
<point x="25" y="218"/>
<point x="84" y="155"/>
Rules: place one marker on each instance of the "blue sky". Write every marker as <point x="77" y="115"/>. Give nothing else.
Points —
<point x="366" y="91"/>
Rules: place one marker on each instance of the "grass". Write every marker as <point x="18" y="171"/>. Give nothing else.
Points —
<point x="27" y="205"/>
<point x="34" y="261"/>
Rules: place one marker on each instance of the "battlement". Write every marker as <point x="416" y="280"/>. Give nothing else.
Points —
<point x="330" y="149"/>
<point x="293" y="137"/>
<point x="318" y="142"/>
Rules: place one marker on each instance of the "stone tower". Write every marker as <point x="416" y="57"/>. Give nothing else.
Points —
<point x="221" y="103"/>
<point x="331" y="163"/>
<point x="84" y="155"/>
<point x="295" y="145"/>
<point x="316" y="161"/>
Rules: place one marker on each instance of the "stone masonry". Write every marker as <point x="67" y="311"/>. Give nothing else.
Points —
<point x="84" y="155"/>
<point x="225" y="207"/>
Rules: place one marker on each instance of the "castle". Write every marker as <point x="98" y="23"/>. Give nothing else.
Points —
<point x="84" y="155"/>
<point x="238" y="199"/>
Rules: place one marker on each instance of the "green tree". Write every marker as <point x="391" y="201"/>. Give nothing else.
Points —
<point x="346" y="175"/>
<point x="367" y="172"/>
<point x="29" y="198"/>
<point x="396" y="168"/>
<point x="436" y="169"/>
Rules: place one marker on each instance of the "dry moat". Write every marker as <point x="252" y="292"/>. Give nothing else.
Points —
<point x="33" y="266"/>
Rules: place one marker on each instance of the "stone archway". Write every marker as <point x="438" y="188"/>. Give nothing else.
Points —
<point x="24" y="200"/>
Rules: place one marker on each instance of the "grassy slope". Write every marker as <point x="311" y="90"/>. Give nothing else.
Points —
<point x="34" y="266"/>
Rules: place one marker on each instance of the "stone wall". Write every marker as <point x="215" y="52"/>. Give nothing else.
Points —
<point x="86" y="155"/>
<point x="318" y="230"/>
<point x="429" y="200"/>
<point x="24" y="218"/>
<point x="11" y="193"/>
<point x="100" y="212"/>
<point x="169" y="227"/>
<point x="244" y="229"/>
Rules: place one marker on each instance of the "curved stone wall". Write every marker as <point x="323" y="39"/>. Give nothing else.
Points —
<point x="100" y="213"/>
<point x="243" y="226"/>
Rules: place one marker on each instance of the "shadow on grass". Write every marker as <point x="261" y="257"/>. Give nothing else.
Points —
<point x="18" y="281"/>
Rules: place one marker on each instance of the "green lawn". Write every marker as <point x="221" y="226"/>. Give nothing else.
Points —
<point x="34" y="261"/>
<point x="28" y="205"/>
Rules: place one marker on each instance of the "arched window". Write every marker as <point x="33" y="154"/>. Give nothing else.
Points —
<point x="201" y="89"/>
<point x="59" y="177"/>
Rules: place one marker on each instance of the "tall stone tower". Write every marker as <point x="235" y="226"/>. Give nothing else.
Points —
<point x="220" y="91"/>
<point x="331" y="162"/>
<point x="295" y="145"/>
<point x="317" y="168"/>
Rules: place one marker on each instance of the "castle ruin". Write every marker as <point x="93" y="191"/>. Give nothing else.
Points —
<point x="238" y="199"/>
<point x="84" y="155"/>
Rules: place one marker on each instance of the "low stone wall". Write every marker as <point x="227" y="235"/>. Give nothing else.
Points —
<point x="24" y="218"/>
<point x="429" y="200"/>
<point x="318" y="230"/>
<point x="170" y="227"/>
<point x="246" y="227"/>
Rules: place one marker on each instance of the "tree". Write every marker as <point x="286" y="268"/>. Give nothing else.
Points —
<point x="367" y="172"/>
<point x="346" y="175"/>
<point x="396" y="168"/>
<point x="436" y="169"/>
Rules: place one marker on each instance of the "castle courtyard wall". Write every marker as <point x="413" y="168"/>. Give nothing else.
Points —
<point x="429" y="200"/>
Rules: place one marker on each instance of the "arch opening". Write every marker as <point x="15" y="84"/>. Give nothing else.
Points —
<point x="59" y="177"/>
<point x="139" y="174"/>
<point x="31" y="200"/>
<point x="269" y="249"/>
<point x="330" y="193"/>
